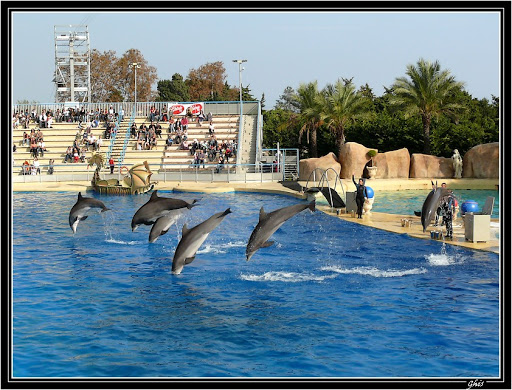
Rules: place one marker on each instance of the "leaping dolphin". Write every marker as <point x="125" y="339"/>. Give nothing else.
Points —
<point x="157" y="207"/>
<point x="269" y="223"/>
<point x="163" y="224"/>
<point x="192" y="239"/>
<point x="81" y="207"/>
<point x="430" y="205"/>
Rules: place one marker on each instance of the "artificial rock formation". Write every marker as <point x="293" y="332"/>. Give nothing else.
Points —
<point x="427" y="166"/>
<point x="393" y="164"/>
<point x="482" y="161"/>
<point x="308" y="165"/>
<point x="353" y="157"/>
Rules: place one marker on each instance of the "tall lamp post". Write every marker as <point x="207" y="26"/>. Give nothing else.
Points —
<point x="240" y="122"/>
<point x="135" y="66"/>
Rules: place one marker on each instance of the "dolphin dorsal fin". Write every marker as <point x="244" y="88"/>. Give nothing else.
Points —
<point x="263" y="214"/>
<point x="80" y="196"/>
<point x="154" y="195"/>
<point x="185" y="230"/>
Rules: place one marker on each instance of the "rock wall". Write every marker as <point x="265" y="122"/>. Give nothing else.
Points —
<point x="308" y="165"/>
<point x="393" y="164"/>
<point x="427" y="166"/>
<point x="482" y="161"/>
<point x="353" y="157"/>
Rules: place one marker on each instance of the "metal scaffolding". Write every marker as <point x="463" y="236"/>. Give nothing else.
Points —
<point x="72" y="76"/>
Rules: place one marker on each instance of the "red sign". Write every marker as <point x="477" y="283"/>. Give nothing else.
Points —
<point x="181" y="109"/>
<point x="177" y="109"/>
<point x="196" y="108"/>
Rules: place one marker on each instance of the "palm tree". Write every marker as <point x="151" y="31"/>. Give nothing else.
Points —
<point x="310" y="113"/>
<point x="341" y="104"/>
<point x="429" y="92"/>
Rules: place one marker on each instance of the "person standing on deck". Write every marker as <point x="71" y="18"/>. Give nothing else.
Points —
<point x="361" y="195"/>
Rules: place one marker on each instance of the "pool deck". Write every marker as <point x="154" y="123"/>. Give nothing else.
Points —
<point x="384" y="221"/>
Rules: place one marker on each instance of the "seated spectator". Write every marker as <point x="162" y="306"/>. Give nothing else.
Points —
<point x="196" y="158"/>
<point x="211" y="129"/>
<point x="158" y="130"/>
<point x="139" y="144"/>
<point x="220" y="166"/>
<point x="99" y="143"/>
<point x="94" y="124"/>
<point x="152" y="142"/>
<point x="25" y="141"/>
<point x="82" y="154"/>
<point x="184" y="145"/>
<point x="184" y="123"/>
<point x="209" y="117"/>
<point x="33" y="147"/>
<point x="201" y="157"/>
<point x="76" y="155"/>
<point x="133" y="130"/>
<point x="171" y="125"/>
<point x="169" y="140"/>
<point x="25" y="168"/>
<point x="200" y="118"/>
<point x="69" y="154"/>
<point x="50" y="166"/>
<point x="185" y="135"/>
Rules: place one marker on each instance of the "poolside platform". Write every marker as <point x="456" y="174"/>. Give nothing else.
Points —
<point x="384" y="221"/>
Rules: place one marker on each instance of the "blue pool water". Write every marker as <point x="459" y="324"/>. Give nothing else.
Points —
<point x="406" y="202"/>
<point x="330" y="299"/>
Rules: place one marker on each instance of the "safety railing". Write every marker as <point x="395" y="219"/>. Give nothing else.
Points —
<point x="113" y="139"/>
<point x="240" y="173"/>
<point x="143" y="108"/>
<point x="126" y="138"/>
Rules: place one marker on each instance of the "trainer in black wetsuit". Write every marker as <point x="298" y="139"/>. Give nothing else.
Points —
<point x="361" y="194"/>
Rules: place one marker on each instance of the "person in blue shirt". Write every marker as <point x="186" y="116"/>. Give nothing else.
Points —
<point x="361" y="195"/>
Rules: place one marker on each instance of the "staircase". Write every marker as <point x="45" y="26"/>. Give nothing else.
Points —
<point x="118" y="145"/>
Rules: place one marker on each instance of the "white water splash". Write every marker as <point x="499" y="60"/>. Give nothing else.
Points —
<point x="281" y="276"/>
<point x="114" y="241"/>
<point x="443" y="259"/>
<point x="375" y="272"/>
<point x="221" y="248"/>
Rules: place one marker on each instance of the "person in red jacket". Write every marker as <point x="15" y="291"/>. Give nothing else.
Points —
<point x="111" y="163"/>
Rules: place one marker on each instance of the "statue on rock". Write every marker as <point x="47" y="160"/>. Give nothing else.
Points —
<point x="457" y="164"/>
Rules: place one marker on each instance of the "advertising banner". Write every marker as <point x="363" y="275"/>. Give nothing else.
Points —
<point x="181" y="109"/>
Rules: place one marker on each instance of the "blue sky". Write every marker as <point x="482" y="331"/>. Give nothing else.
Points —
<point x="282" y="49"/>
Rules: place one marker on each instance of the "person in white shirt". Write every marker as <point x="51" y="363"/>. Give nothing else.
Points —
<point x="35" y="164"/>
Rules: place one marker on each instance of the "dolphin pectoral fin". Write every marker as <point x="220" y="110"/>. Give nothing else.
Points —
<point x="83" y="218"/>
<point x="189" y="260"/>
<point x="267" y="244"/>
<point x="163" y="232"/>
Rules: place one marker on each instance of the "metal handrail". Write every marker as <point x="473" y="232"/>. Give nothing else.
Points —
<point x="126" y="138"/>
<point x="325" y="178"/>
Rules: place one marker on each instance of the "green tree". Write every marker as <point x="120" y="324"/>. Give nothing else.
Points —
<point x="310" y="115"/>
<point x="428" y="92"/>
<point x="341" y="104"/>
<point x="287" y="100"/>
<point x="174" y="90"/>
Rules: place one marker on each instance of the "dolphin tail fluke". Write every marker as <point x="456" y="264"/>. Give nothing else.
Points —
<point x="312" y="206"/>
